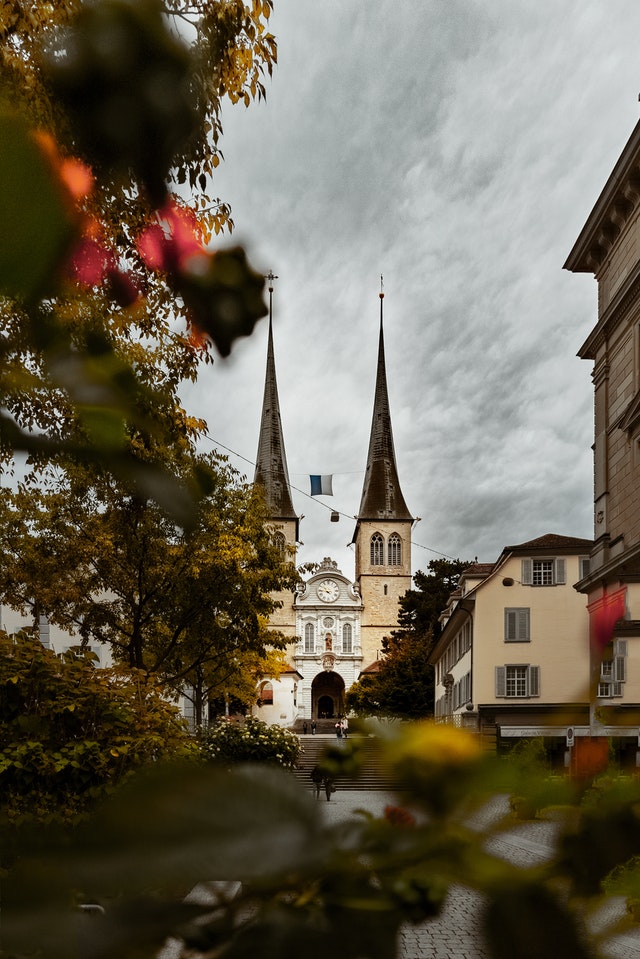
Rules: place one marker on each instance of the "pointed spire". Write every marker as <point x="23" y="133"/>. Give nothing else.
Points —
<point x="381" y="494"/>
<point x="271" y="462"/>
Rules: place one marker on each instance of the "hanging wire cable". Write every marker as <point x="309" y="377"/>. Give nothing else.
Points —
<point x="330" y="509"/>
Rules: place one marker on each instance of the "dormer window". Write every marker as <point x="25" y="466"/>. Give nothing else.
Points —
<point x="543" y="572"/>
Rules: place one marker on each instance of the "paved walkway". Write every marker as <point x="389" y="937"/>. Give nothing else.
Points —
<point x="456" y="933"/>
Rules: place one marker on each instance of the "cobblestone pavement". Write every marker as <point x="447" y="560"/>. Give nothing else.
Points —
<point x="456" y="933"/>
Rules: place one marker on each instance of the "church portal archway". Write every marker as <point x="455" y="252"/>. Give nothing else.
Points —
<point x="327" y="696"/>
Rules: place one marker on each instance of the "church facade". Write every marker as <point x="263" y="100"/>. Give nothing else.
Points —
<point x="336" y="623"/>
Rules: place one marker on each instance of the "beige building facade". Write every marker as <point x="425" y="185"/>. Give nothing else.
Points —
<point x="512" y="659"/>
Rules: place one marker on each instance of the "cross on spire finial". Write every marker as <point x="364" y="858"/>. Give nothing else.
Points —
<point x="271" y="277"/>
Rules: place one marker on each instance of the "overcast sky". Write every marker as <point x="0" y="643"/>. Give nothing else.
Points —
<point x="456" y="147"/>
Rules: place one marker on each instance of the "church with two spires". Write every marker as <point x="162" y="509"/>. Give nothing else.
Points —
<point x="335" y="623"/>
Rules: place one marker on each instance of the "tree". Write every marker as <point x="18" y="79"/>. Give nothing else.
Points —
<point x="420" y="608"/>
<point x="187" y="607"/>
<point x="110" y="297"/>
<point x="402" y="686"/>
<point x="70" y="732"/>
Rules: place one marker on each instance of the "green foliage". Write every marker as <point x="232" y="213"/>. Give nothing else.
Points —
<point x="420" y="608"/>
<point x="188" y="607"/>
<point x="229" y="743"/>
<point x="301" y="883"/>
<point x="402" y="685"/>
<point x="109" y="297"/>
<point x="70" y="733"/>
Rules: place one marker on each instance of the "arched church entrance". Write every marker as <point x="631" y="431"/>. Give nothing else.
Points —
<point x="327" y="696"/>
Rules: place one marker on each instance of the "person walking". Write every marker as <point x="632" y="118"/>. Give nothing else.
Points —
<point x="345" y="727"/>
<point x="304" y="727"/>
<point x="313" y="727"/>
<point x="317" y="779"/>
<point x="339" y="729"/>
<point x="329" y="786"/>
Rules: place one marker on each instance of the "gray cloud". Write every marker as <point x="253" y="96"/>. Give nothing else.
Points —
<point x="457" y="148"/>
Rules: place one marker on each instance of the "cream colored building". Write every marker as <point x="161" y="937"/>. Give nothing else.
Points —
<point x="513" y="656"/>
<point x="335" y="621"/>
<point x="609" y="248"/>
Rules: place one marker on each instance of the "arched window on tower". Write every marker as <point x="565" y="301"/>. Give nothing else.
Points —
<point x="309" y="638"/>
<point x="347" y="638"/>
<point x="266" y="695"/>
<point x="279" y="542"/>
<point x="394" y="550"/>
<point x="377" y="550"/>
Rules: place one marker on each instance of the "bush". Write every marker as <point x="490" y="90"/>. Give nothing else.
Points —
<point x="249" y="741"/>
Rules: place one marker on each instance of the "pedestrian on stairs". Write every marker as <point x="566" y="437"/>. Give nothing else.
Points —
<point x="339" y="729"/>
<point x="317" y="779"/>
<point x="304" y="727"/>
<point x="313" y="727"/>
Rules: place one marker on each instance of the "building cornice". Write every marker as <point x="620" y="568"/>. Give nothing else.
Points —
<point x="624" y="300"/>
<point x="616" y="203"/>
<point x="622" y="568"/>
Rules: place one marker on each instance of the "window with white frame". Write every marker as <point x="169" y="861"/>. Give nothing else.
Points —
<point x="347" y="638"/>
<point x="517" y="682"/>
<point x="517" y="625"/>
<point x="394" y="550"/>
<point x="377" y="550"/>
<point x="309" y="638"/>
<point x="613" y="670"/>
<point x="462" y="691"/>
<point x="543" y="572"/>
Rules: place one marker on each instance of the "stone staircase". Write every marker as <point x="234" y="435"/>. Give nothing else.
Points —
<point x="373" y="774"/>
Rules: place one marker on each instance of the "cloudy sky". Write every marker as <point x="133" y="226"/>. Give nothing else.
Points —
<point x="456" y="147"/>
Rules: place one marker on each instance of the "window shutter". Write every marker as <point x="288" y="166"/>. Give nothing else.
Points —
<point x="619" y="669"/>
<point x="523" y="624"/>
<point x="620" y="647"/>
<point x="585" y="566"/>
<point x="516" y="625"/>
<point x="560" y="576"/>
<point x="534" y="680"/>
<point x="501" y="681"/>
<point x="527" y="572"/>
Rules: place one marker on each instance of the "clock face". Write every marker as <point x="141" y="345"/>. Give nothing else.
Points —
<point x="328" y="591"/>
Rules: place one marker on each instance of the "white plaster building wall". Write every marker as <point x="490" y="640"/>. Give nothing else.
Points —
<point x="285" y="708"/>
<point x="51" y="636"/>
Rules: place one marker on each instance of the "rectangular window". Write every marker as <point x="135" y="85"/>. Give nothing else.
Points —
<point x="309" y="638"/>
<point x="543" y="572"/>
<point x="517" y="682"/>
<point x="610" y="690"/>
<point x="517" y="627"/>
<point x="584" y="565"/>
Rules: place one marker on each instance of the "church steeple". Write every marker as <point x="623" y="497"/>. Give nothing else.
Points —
<point x="382" y="497"/>
<point x="271" y="461"/>
<point x="382" y="536"/>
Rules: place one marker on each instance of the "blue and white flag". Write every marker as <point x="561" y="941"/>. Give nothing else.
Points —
<point x="321" y="485"/>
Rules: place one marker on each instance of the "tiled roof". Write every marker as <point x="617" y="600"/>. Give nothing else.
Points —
<point x="555" y="542"/>
<point x="373" y="667"/>
<point x="478" y="569"/>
